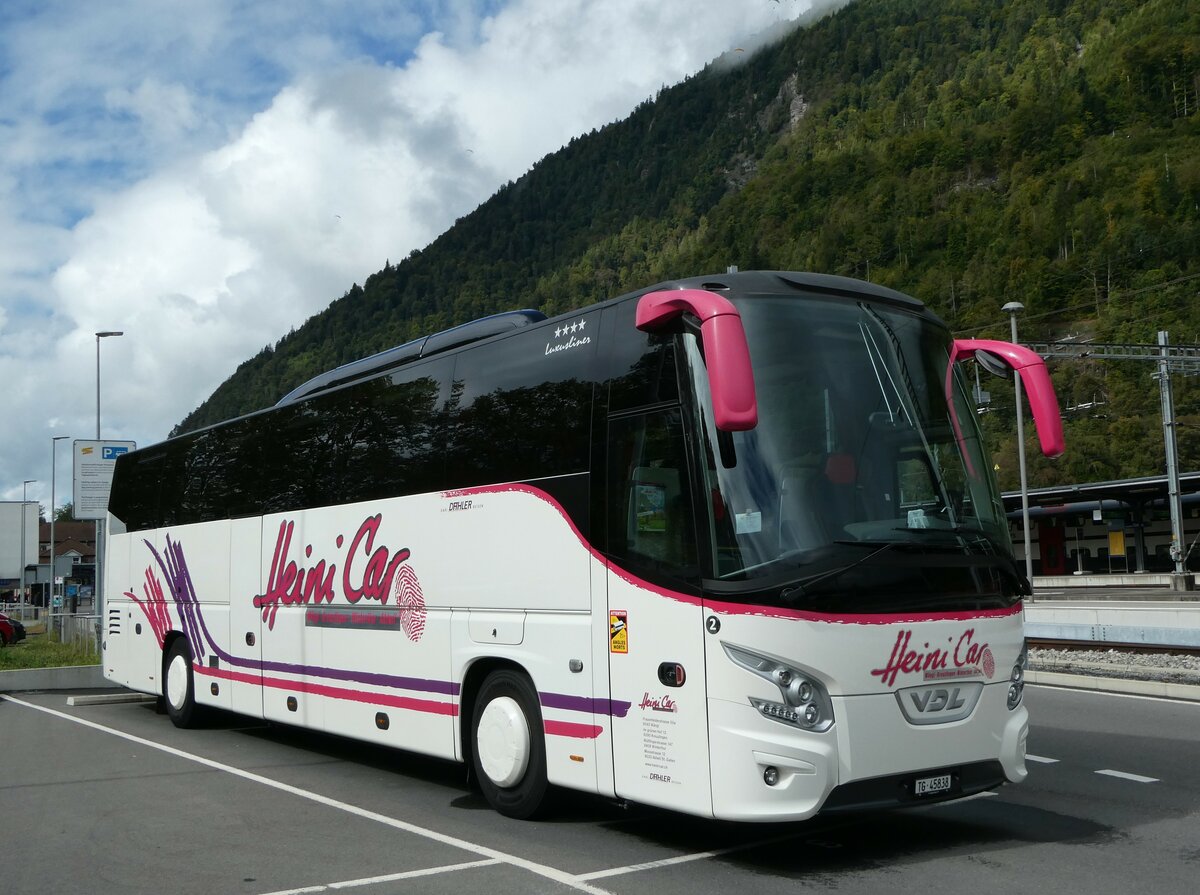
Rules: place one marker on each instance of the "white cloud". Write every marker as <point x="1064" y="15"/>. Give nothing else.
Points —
<point x="207" y="182"/>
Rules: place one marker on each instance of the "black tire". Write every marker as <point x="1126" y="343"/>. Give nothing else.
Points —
<point x="179" y="692"/>
<point x="508" y="745"/>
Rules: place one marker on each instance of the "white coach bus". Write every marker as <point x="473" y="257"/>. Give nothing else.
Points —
<point x="728" y="545"/>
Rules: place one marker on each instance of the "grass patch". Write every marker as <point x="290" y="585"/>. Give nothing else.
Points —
<point x="37" y="651"/>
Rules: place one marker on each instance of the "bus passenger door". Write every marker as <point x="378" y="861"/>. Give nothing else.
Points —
<point x="655" y="617"/>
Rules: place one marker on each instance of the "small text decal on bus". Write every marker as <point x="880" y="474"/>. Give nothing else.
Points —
<point x="367" y="572"/>
<point x="573" y="332"/>
<point x="658" y="703"/>
<point x="968" y="658"/>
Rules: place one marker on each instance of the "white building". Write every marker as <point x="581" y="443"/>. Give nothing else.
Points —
<point x="11" y="541"/>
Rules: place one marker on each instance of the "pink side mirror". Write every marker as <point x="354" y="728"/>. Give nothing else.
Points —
<point x="730" y="378"/>
<point x="1032" y="369"/>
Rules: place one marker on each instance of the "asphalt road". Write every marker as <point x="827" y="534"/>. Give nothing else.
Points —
<point x="114" y="799"/>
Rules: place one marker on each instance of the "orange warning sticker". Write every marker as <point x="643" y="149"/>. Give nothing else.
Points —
<point x="618" y="631"/>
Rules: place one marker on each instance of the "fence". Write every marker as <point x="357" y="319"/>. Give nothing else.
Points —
<point x="76" y="628"/>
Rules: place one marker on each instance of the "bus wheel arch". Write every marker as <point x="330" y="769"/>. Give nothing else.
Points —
<point x="178" y="684"/>
<point x="504" y="739"/>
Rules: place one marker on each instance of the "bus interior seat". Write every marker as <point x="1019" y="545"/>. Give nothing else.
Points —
<point x="800" y="523"/>
<point x="816" y="500"/>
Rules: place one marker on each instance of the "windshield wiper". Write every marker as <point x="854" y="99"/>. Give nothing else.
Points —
<point x="800" y="589"/>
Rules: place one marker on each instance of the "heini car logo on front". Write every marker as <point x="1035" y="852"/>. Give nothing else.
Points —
<point x="968" y="657"/>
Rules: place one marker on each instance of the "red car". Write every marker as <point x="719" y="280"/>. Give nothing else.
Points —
<point x="11" y="630"/>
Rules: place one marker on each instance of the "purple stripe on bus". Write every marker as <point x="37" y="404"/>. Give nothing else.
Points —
<point x="614" y="708"/>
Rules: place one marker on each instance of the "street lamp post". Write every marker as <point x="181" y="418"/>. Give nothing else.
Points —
<point x="99" y="336"/>
<point x="1013" y="308"/>
<point x="54" y="440"/>
<point x="24" y="507"/>
<point x="97" y="595"/>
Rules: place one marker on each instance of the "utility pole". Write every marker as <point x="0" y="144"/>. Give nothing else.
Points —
<point x="1168" y="413"/>
<point x="1183" y="359"/>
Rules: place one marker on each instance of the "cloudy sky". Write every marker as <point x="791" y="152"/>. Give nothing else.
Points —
<point x="206" y="176"/>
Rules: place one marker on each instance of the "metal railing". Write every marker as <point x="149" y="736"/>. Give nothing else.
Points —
<point x="76" y="628"/>
<point x="80" y="629"/>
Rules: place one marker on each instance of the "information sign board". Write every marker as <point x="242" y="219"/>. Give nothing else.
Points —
<point x="94" y="462"/>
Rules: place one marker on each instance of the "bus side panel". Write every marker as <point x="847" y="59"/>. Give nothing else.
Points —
<point x="552" y="641"/>
<point x="202" y="550"/>
<point x="118" y="622"/>
<point x="151" y="614"/>
<point x="291" y="650"/>
<point x="509" y="555"/>
<point x="245" y="619"/>
<point x="660" y="730"/>
<point x="502" y="547"/>
<point x="543" y="644"/>
<point x="399" y="696"/>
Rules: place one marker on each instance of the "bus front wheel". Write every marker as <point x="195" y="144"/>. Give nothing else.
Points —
<point x="178" y="688"/>
<point x="509" y="747"/>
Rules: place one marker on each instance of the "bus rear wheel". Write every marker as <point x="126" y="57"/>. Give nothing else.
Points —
<point x="178" y="687"/>
<point x="508" y="745"/>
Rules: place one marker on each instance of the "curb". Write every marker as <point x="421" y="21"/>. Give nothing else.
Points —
<point x="70" y="677"/>
<point x="1161" y="689"/>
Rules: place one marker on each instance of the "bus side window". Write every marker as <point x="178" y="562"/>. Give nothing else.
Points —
<point x="650" y="515"/>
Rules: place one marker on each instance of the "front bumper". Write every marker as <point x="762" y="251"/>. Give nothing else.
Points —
<point x="869" y="759"/>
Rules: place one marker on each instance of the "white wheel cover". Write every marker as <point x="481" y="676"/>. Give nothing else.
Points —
<point x="503" y="741"/>
<point x="177" y="682"/>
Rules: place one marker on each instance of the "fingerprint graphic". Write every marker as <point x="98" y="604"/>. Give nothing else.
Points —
<point x="411" y="602"/>
<point x="989" y="664"/>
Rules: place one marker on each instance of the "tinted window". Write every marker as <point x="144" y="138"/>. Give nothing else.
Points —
<point x="640" y="366"/>
<point x="377" y="439"/>
<point x="650" y="522"/>
<point x="520" y="408"/>
<point x="380" y="438"/>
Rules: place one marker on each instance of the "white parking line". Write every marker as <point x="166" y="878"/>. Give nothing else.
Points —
<point x="551" y="873"/>
<point x="1040" y="760"/>
<point x="991" y="793"/>
<point x="686" y="859"/>
<point x="391" y="877"/>
<point x="1136" y="778"/>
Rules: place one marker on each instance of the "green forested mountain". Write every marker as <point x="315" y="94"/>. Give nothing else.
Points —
<point x="967" y="152"/>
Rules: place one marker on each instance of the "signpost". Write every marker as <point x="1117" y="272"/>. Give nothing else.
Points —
<point x="94" y="462"/>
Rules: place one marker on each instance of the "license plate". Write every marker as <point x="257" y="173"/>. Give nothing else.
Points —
<point x="928" y="786"/>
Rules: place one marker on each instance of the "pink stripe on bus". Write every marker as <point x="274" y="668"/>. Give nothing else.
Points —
<point x="365" y="696"/>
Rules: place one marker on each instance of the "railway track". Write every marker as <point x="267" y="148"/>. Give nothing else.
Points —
<point x="1101" y="645"/>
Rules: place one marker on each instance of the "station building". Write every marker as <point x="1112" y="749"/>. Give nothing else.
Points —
<point x="1103" y="528"/>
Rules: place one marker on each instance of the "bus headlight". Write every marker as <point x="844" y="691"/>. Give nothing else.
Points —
<point x="803" y="701"/>
<point x="1016" y="684"/>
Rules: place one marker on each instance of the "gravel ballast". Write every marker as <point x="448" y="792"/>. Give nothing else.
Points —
<point x="1167" y="667"/>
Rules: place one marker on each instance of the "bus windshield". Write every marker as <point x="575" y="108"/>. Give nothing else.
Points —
<point x="863" y="486"/>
